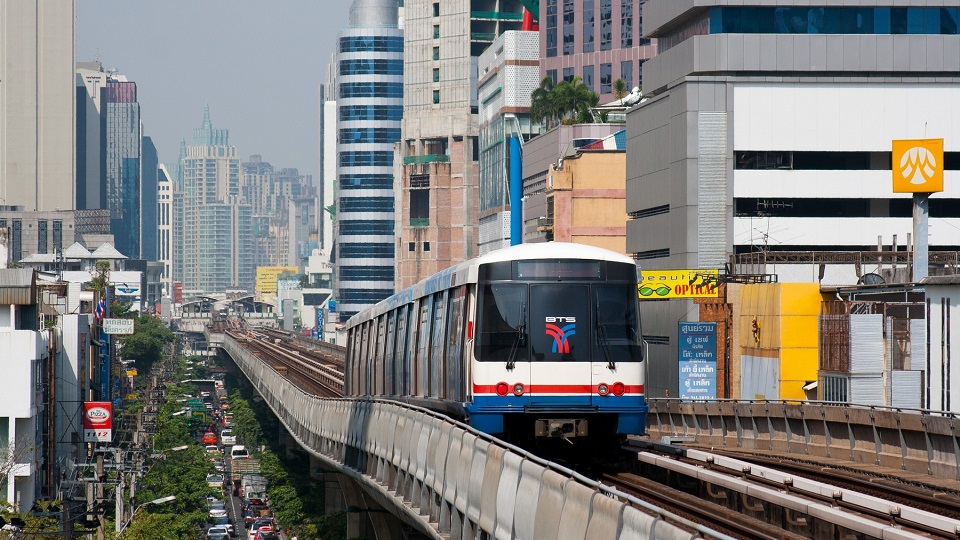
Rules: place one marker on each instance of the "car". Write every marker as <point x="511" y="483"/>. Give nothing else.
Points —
<point x="239" y="452"/>
<point x="267" y="532"/>
<point x="225" y="522"/>
<point x="218" y="533"/>
<point x="227" y="437"/>
<point x="218" y="511"/>
<point x="210" y="438"/>
<point x="258" y="525"/>
<point x="212" y="449"/>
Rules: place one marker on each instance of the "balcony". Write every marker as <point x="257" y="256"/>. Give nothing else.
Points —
<point x="420" y="222"/>
<point x="426" y="158"/>
<point x="496" y="15"/>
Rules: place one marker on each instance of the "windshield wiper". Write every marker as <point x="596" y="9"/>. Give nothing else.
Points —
<point x="517" y="340"/>
<point x="602" y="336"/>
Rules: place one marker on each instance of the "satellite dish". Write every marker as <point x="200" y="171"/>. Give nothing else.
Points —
<point x="872" y="279"/>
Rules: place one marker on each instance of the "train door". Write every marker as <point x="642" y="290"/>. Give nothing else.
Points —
<point x="560" y="371"/>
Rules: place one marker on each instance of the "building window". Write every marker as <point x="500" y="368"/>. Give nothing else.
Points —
<point x="419" y="207"/>
<point x="371" y="112"/>
<point x="568" y="74"/>
<point x="366" y="181"/>
<point x="369" y="66"/>
<point x="426" y="246"/>
<point x="606" y="25"/>
<point x="436" y="9"/>
<point x="436" y="53"/>
<point x="368" y="135"/>
<point x="551" y="28"/>
<point x="552" y="73"/>
<point x="366" y="204"/>
<point x="371" y="44"/>
<point x="568" y="31"/>
<point x="606" y="78"/>
<point x="371" y="90"/>
<point x="436" y="97"/>
<point x="436" y="31"/>
<point x="626" y="24"/>
<point x="411" y="246"/>
<point x="362" y="158"/>
<point x="626" y="73"/>
<point x="588" y="25"/>
<point x="835" y="20"/>
<point x="17" y="247"/>
<point x="588" y="76"/>
<point x="436" y="74"/>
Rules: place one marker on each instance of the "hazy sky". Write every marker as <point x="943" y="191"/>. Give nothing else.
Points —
<point x="258" y="63"/>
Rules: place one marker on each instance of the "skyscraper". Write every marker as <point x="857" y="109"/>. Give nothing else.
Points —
<point x="216" y="231"/>
<point x="437" y="215"/>
<point x="165" y="227"/>
<point x="37" y="104"/>
<point x="123" y="152"/>
<point x="91" y="80"/>
<point x="369" y="107"/>
<point x="148" y="201"/>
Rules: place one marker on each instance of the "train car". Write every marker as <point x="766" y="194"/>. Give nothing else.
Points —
<point x="536" y="341"/>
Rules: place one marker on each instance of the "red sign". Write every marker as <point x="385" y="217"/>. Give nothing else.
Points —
<point x="177" y="292"/>
<point x="97" y="421"/>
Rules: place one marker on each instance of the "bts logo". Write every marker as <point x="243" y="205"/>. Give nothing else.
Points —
<point x="561" y="334"/>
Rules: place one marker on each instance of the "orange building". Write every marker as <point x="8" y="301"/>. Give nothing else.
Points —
<point x="586" y="200"/>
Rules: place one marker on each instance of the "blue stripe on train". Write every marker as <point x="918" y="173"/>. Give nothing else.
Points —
<point x="487" y="412"/>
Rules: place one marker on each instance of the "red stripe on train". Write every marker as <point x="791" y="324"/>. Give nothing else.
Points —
<point x="555" y="388"/>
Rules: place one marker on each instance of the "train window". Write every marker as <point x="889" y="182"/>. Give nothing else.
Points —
<point x="438" y="359"/>
<point x="401" y="353"/>
<point x="556" y="312"/>
<point x="423" y="348"/>
<point x="502" y="328"/>
<point x="410" y="356"/>
<point x="388" y="355"/>
<point x="617" y="336"/>
<point x="559" y="269"/>
<point x="455" y="348"/>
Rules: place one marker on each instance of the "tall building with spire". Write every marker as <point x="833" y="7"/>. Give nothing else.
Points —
<point x="369" y="101"/>
<point x="216" y="224"/>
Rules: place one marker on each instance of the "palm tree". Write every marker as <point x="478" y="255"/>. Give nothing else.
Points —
<point x="543" y="105"/>
<point x="620" y="89"/>
<point x="574" y="100"/>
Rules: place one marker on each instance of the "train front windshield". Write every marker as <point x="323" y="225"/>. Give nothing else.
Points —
<point x="588" y="314"/>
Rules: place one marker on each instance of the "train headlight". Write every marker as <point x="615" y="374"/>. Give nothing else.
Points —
<point x="502" y="389"/>
<point x="619" y="388"/>
<point x="602" y="389"/>
<point x="518" y="389"/>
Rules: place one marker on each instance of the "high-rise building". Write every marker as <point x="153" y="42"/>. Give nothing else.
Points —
<point x="91" y="80"/>
<point x="782" y="144"/>
<point x="165" y="227"/>
<point x="437" y="210"/>
<point x="216" y="230"/>
<point x="148" y="201"/>
<point x="508" y="73"/>
<point x="122" y="159"/>
<point x="599" y="41"/>
<point x="37" y="105"/>
<point x="369" y="92"/>
<point x="328" y="156"/>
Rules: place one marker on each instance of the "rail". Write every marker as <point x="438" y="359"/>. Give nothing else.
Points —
<point x="914" y="440"/>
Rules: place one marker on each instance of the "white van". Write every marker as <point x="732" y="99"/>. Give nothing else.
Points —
<point x="239" y="452"/>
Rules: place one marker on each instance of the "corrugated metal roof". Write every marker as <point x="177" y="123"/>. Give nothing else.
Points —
<point x="106" y="251"/>
<point x="940" y="280"/>
<point x="17" y="286"/>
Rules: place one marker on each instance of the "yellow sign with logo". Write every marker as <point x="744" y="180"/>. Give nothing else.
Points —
<point x="662" y="284"/>
<point x="267" y="277"/>
<point x="918" y="166"/>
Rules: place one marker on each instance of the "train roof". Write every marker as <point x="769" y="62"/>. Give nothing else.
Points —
<point x="467" y="271"/>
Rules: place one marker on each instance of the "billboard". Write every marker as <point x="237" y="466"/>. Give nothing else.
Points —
<point x="698" y="360"/>
<point x="97" y="421"/>
<point x="918" y="166"/>
<point x="267" y="277"/>
<point x="118" y="326"/>
<point x="662" y="284"/>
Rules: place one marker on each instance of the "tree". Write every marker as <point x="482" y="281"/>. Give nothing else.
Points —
<point x="543" y="105"/>
<point x="620" y="89"/>
<point x="146" y="343"/>
<point x="574" y="100"/>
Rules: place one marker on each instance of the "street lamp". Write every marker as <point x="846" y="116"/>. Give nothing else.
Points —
<point x="161" y="500"/>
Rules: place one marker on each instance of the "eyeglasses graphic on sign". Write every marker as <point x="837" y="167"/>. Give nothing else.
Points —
<point x="918" y="166"/>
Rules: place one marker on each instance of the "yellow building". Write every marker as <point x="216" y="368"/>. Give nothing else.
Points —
<point x="267" y="277"/>
<point x="777" y="338"/>
<point x="586" y="199"/>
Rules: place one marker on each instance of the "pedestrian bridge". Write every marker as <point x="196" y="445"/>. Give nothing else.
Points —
<point x="444" y="479"/>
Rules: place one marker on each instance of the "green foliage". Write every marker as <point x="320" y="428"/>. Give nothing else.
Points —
<point x="101" y="277"/>
<point x="568" y="102"/>
<point x="245" y="424"/>
<point x="620" y="89"/>
<point x="146" y="343"/>
<point x="150" y="526"/>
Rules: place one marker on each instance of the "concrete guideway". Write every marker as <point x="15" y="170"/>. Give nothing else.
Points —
<point x="449" y="481"/>
<point x="923" y="446"/>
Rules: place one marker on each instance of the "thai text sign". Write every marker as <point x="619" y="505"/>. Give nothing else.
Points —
<point x="118" y="326"/>
<point x="918" y="166"/>
<point x="660" y="284"/>
<point x="698" y="360"/>
<point x="97" y="421"/>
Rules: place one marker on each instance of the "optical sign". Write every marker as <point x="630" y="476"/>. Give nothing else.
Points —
<point x="918" y="166"/>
